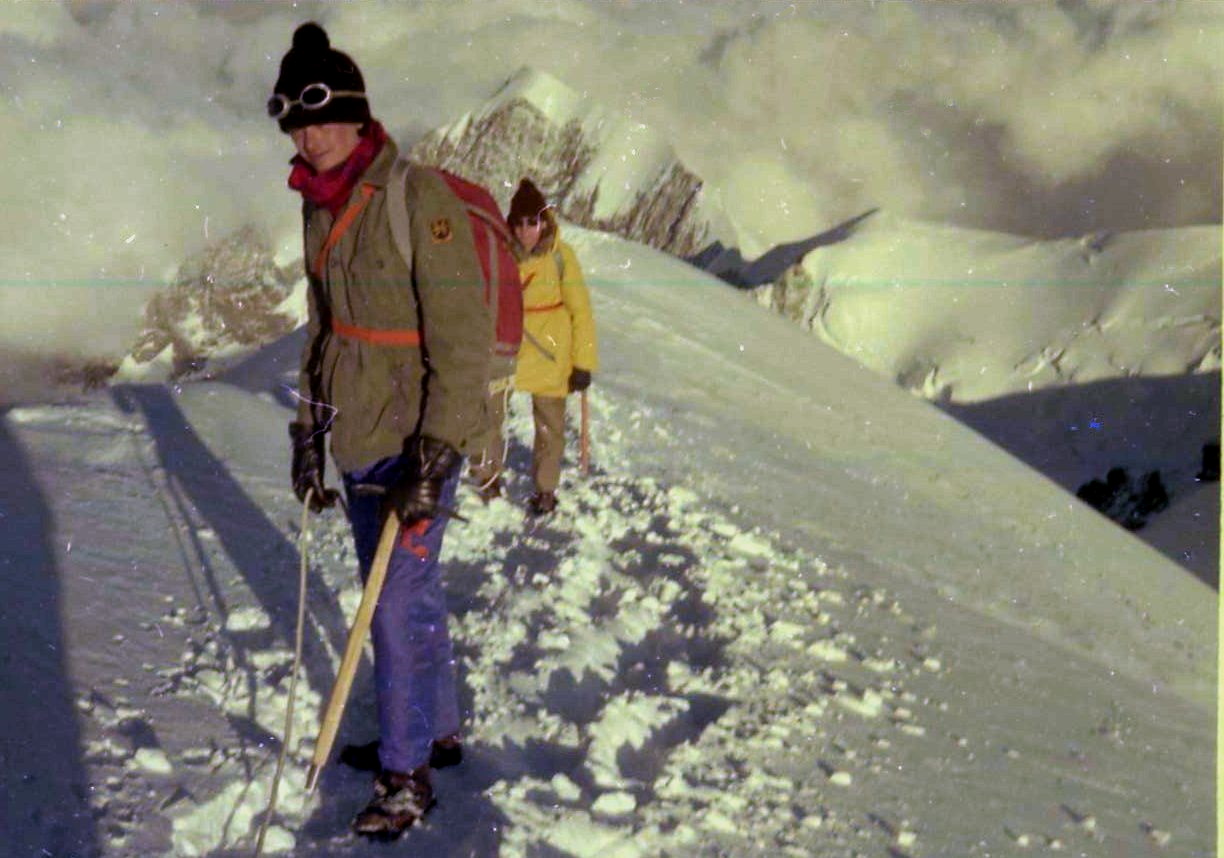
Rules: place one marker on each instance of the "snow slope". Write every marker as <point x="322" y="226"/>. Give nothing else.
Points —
<point x="1078" y="432"/>
<point x="793" y="611"/>
<point x="961" y="315"/>
<point x="1077" y="356"/>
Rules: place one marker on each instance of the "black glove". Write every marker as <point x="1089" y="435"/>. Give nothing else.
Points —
<point x="309" y="462"/>
<point x="416" y="495"/>
<point x="579" y="380"/>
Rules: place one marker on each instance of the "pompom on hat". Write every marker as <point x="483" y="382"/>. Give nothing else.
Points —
<point x="312" y="60"/>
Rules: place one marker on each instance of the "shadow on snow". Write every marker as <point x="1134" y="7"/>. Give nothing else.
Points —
<point x="44" y="808"/>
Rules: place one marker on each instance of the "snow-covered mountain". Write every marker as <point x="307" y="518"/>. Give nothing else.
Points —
<point x="599" y="169"/>
<point x="793" y="611"/>
<point x="225" y="300"/>
<point x="960" y="315"/>
<point x="1079" y="355"/>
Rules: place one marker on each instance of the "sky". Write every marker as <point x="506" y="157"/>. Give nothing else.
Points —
<point x="135" y="132"/>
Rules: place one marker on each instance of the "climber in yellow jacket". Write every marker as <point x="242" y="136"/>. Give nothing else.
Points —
<point x="558" y="353"/>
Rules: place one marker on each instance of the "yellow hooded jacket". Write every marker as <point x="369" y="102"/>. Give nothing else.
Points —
<point x="558" y="328"/>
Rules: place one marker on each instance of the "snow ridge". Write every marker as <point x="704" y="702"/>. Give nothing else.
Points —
<point x="962" y="315"/>
<point x="631" y="676"/>
<point x="645" y="674"/>
<point x="675" y="663"/>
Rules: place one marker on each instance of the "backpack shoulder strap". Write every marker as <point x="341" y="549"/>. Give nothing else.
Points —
<point x="495" y="223"/>
<point x="559" y="258"/>
<point x="397" y="209"/>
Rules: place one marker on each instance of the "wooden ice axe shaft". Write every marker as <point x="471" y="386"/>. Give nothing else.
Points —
<point x="334" y="712"/>
<point x="584" y="439"/>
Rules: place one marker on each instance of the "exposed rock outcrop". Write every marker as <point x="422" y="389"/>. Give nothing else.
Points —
<point x="228" y="296"/>
<point x="599" y="169"/>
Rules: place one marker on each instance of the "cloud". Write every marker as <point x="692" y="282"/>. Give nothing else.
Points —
<point x="131" y="138"/>
<point x="1003" y="116"/>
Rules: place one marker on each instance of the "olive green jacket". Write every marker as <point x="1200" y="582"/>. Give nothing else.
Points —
<point x="372" y="397"/>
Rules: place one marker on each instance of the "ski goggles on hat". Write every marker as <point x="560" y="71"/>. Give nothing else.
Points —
<point x="313" y="97"/>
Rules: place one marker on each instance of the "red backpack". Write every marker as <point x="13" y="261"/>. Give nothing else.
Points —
<point x="503" y="289"/>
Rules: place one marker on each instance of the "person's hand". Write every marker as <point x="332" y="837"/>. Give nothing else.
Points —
<point x="416" y="496"/>
<point x="309" y="462"/>
<point x="579" y="380"/>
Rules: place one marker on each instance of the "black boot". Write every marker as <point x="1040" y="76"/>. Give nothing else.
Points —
<point x="400" y="799"/>
<point x="363" y="758"/>
<point x="446" y="752"/>
<point x="542" y="503"/>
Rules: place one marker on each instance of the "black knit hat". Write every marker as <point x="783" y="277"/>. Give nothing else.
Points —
<point x="311" y="60"/>
<point x="526" y="202"/>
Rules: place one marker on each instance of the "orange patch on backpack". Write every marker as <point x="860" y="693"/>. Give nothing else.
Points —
<point x="440" y="229"/>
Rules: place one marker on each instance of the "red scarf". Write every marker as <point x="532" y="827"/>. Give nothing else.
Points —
<point x="333" y="188"/>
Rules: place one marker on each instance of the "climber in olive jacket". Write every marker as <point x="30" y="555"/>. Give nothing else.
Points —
<point x="395" y="371"/>
<point x="371" y="395"/>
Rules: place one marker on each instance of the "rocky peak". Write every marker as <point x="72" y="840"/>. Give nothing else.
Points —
<point x="601" y="170"/>
<point x="227" y="296"/>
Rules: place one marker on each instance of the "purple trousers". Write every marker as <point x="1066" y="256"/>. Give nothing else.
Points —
<point x="414" y="662"/>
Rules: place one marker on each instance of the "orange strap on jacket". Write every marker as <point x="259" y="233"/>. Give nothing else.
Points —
<point x="340" y="227"/>
<point x="545" y="308"/>
<point x="356" y="332"/>
<point x="376" y="336"/>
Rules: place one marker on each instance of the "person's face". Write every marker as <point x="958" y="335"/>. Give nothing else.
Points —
<point x="328" y="145"/>
<point x="528" y="231"/>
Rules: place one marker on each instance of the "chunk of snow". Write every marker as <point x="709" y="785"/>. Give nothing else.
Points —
<point x="614" y="804"/>
<point x="152" y="760"/>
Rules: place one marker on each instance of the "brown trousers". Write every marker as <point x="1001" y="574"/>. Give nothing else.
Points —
<point x="548" y="448"/>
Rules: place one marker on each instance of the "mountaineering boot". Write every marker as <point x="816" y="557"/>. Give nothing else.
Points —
<point x="400" y="799"/>
<point x="446" y="752"/>
<point x="363" y="758"/>
<point x="542" y="503"/>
